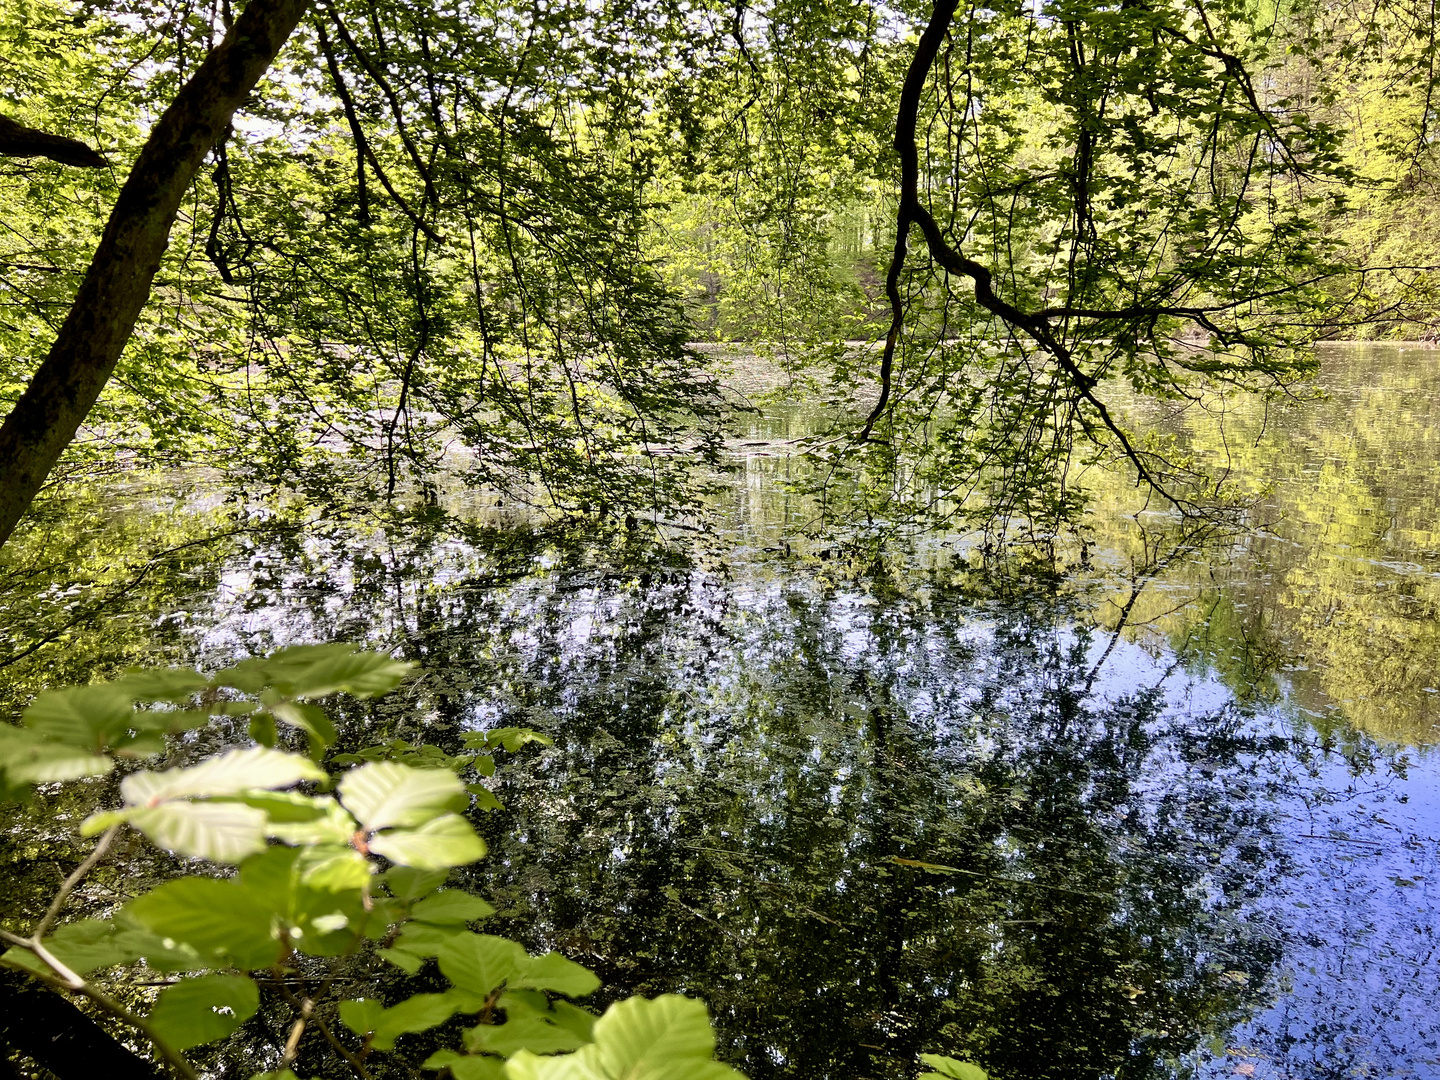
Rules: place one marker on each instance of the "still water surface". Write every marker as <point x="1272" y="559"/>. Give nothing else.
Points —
<point x="1175" y="814"/>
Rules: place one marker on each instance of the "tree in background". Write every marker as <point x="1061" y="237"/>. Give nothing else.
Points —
<point x="456" y="239"/>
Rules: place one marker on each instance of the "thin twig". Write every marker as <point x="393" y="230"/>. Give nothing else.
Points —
<point x="53" y="911"/>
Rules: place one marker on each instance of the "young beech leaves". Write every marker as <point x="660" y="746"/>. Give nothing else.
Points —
<point x="409" y="883"/>
<point x="464" y="1067"/>
<point x="220" y="920"/>
<point x="163" y="684"/>
<point x="220" y="832"/>
<point x="203" y="1009"/>
<point x="312" y="671"/>
<point x="408" y="814"/>
<point x="171" y="807"/>
<point x="230" y="773"/>
<point x="667" y="1038"/>
<point x="386" y="794"/>
<point x="532" y="1023"/>
<point x="451" y="907"/>
<point x="89" y="717"/>
<point x="380" y="1027"/>
<point x="82" y="946"/>
<point x="947" y="1068"/>
<point x="445" y="841"/>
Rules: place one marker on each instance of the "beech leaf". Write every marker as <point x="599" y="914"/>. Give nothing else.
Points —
<point x="385" y="794"/>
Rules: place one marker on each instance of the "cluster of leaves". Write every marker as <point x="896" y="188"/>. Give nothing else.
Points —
<point x="326" y="869"/>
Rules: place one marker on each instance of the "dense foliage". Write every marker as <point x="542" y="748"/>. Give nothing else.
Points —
<point x="474" y="241"/>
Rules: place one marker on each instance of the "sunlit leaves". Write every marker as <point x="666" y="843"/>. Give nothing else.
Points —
<point x="204" y="1009"/>
<point x="451" y="908"/>
<point x="947" y="1068"/>
<point x="220" y="832"/>
<point x="168" y="808"/>
<point x="387" y="794"/>
<point x="441" y="842"/>
<point x="230" y="773"/>
<point x="667" y="1038"/>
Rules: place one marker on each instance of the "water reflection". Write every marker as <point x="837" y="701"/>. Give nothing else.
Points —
<point x="1331" y="602"/>
<point x="1116" y="824"/>
<point x="871" y="819"/>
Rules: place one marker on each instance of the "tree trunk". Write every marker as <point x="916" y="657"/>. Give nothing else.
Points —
<point x="117" y="285"/>
<point x="17" y="140"/>
<point x="60" y="1038"/>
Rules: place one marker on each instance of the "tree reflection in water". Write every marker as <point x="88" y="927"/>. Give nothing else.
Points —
<point x="865" y="823"/>
<point x="869" y="817"/>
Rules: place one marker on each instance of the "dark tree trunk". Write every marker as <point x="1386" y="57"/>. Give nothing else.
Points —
<point x="117" y="285"/>
<point x="47" y="1028"/>
<point x="17" y="140"/>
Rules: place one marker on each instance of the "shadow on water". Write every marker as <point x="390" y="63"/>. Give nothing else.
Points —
<point x="1109" y="825"/>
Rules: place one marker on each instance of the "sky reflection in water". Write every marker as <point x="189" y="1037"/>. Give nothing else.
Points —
<point x="869" y="819"/>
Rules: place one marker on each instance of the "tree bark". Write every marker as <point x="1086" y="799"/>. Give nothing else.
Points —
<point x="117" y="285"/>
<point x="59" y="1037"/>
<point x="17" y="140"/>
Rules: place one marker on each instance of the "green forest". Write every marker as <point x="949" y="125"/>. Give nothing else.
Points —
<point x="349" y="349"/>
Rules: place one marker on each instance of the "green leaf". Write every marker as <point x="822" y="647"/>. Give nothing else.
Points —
<point x="668" y="1038"/>
<point x="220" y="920"/>
<point x="295" y="818"/>
<point x="386" y="794"/>
<point x="203" y="1009"/>
<point x="553" y="972"/>
<point x="639" y="1037"/>
<point x="315" y="893"/>
<point x="87" y="717"/>
<point x="526" y="1066"/>
<point x="463" y="1067"/>
<point x="509" y="739"/>
<point x="221" y="832"/>
<point x="484" y="798"/>
<point x="528" y="1026"/>
<point x="418" y="1013"/>
<point x="82" y="946"/>
<point x="318" y="670"/>
<point x="451" y="906"/>
<point x="229" y="774"/>
<point x="310" y="719"/>
<point x="445" y="841"/>
<point x="27" y="757"/>
<point x="407" y="962"/>
<point x="409" y="883"/>
<point x="360" y="1015"/>
<point x="422" y="940"/>
<point x="163" y="684"/>
<point x="162" y="954"/>
<point x="947" y="1068"/>
<point x="341" y="870"/>
<point x="480" y="963"/>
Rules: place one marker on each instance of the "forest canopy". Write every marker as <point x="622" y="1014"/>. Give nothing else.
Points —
<point x="484" y="241"/>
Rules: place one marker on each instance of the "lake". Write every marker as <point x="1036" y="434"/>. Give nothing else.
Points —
<point x="1173" y="812"/>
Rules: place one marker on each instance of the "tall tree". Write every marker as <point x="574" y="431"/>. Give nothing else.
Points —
<point x="117" y="285"/>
